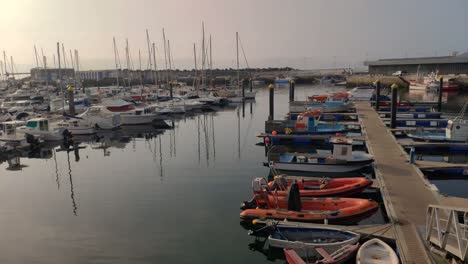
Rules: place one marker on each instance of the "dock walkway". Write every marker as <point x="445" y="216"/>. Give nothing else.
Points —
<point x="405" y="193"/>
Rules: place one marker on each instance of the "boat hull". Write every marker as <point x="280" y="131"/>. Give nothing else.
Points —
<point x="308" y="239"/>
<point x="332" y="187"/>
<point x="311" y="167"/>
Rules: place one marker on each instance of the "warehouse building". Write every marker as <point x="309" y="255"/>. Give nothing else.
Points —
<point x="452" y="64"/>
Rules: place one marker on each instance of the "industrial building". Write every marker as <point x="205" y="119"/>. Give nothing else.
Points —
<point x="51" y="74"/>
<point x="452" y="64"/>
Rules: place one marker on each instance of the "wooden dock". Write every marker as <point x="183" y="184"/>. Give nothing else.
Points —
<point x="408" y="144"/>
<point x="314" y="137"/>
<point x="405" y="192"/>
<point x="426" y="165"/>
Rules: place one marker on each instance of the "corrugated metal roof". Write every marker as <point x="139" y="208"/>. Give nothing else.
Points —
<point x="462" y="58"/>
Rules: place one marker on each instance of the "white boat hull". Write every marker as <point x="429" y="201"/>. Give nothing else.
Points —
<point x="311" y="167"/>
<point x="130" y="119"/>
<point x="376" y="251"/>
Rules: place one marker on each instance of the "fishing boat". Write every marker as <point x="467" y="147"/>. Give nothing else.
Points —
<point x="325" y="187"/>
<point x="307" y="123"/>
<point x="340" y="255"/>
<point x="101" y="118"/>
<point x="342" y="159"/>
<point x="456" y="130"/>
<point x="376" y="251"/>
<point x="39" y="127"/>
<point x="334" y="103"/>
<point x="283" y="80"/>
<point x="308" y="239"/>
<point x="318" y="210"/>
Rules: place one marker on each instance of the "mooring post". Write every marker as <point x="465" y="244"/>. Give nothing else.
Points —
<point x="377" y="95"/>
<point x="271" y="87"/>
<point x="243" y="88"/>
<point x="291" y="90"/>
<point x="412" y="155"/>
<point x="170" y="91"/>
<point x="71" y="100"/>
<point x="441" y="89"/>
<point x="394" y="105"/>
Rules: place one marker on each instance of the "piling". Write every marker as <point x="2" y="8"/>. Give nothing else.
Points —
<point x="394" y="105"/>
<point x="71" y="100"/>
<point x="271" y="87"/>
<point x="441" y="89"/>
<point x="291" y="90"/>
<point x="170" y="91"/>
<point x="377" y="95"/>
<point x="251" y="84"/>
<point x="243" y="89"/>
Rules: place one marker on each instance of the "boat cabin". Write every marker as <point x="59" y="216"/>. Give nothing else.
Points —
<point x="9" y="127"/>
<point x="342" y="148"/>
<point x="457" y="130"/>
<point x="40" y="124"/>
<point x="307" y="120"/>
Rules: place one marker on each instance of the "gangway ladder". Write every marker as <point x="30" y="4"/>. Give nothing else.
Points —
<point x="447" y="228"/>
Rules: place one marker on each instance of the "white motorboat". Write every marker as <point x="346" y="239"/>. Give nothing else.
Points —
<point x="101" y="118"/>
<point x="130" y="114"/>
<point x="375" y="251"/>
<point x="39" y="127"/>
<point x="76" y="126"/>
<point x="342" y="159"/>
<point x="9" y="139"/>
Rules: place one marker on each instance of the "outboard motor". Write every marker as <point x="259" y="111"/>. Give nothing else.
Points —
<point x="294" y="198"/>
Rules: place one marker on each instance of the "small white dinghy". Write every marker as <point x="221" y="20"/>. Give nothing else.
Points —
<point x="376" y="251"/>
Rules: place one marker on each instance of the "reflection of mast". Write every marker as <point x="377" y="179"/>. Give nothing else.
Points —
<point x="161" y="172"/>
<point x="243" y="109"/>
<point x="213" y="136"/>
<point x="57" y="180"/>
<point x="198" y="131"/>
<point x="207" y="148"/>
<point x="238" y="133"/>
<point x="72" y="193"/>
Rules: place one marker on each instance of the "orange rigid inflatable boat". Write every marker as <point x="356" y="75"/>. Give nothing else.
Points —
<point x="320" y="187"/>
<point x="333" y="210"/>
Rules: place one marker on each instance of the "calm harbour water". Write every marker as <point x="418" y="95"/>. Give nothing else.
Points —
<point x="170" y="197"/>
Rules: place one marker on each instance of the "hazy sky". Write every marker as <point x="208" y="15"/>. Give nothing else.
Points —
<point x="300" y="33"/>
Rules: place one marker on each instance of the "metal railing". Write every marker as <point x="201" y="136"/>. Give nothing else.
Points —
<point x="447" y="228"/>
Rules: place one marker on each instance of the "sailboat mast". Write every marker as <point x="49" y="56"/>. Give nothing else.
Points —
<point x="35" y="53"/>
<point x="203" y="56"/>
<point x="149" y="56"/>
<point x="165" y="57"/>
<point x="196" y="71"/>
<point x="139" y="60"/>
<point x="12" y="66"/>
<point x="64" y="57"/>
<point x="211" y="61"/>
<point x="116" y="63"/>
<point x="72" y="60"/>
<point x="169" y="58"/>
<point x="237" y="53"/>
<point x="44" y="62"/>
<point x="5" y="66"/>
<point x="60" y="76"/>
<point x="155" y="65"/>
<point x="77" y="63"/>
